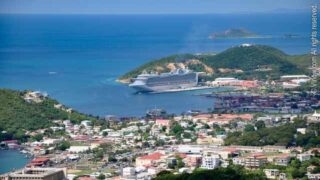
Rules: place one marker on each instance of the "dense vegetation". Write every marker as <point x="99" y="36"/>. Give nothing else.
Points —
<point x="18" y="116"/>
<point x="153" y="64"/>
<point x="282" y="135"/>
<point x="297" y="169"/>
<point x="247" y="59"/>
<point x="230" y="173"/>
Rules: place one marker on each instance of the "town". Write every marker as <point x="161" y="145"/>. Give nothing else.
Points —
<point x="225" y="136"/>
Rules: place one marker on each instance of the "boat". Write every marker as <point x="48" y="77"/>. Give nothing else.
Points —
<point x="179" y="79"/>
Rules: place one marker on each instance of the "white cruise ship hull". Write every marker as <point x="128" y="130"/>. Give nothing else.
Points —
<point x="165" y="82"/>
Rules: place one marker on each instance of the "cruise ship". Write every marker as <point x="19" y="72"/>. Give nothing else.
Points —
<point x="179" y="79"/>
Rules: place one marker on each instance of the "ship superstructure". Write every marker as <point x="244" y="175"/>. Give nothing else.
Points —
<point x="178" y="79"/>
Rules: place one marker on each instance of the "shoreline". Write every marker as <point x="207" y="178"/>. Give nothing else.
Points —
<point x="184" y="89"/>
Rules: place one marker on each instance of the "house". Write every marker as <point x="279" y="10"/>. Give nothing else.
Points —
<point x="194" y="160"/>
<point x="86" y="123"/>
<point x="78" y="149"/>
<point x="313" y="176"/>
<point x="163" y="122"/>
<point x="255" y="161"/>
<point x="49" y="141"/>
<point x="40" y="161"/>
<point x="282" y="160"/>
<point x="148" y="160"/>
<point x="304" y="157"/>
<point x="314" y="118"/>
<point x="301" y="130"/>
<point x="271" y="173"/>
<point x="128" y="171"/>
<point x="239" y="161"/>
<point x="210" y="140"/>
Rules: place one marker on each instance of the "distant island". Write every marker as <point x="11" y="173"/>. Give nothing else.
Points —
<point x="245" y="61"/>
<point x="233" y="33"/>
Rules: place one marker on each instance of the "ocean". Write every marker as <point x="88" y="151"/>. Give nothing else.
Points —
<point x="77" y="58"/>
<point x="12" y="159"/>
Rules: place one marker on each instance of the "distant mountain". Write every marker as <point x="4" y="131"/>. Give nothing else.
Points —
<point x="245" y="61"/>
<point x="233" y="33"/>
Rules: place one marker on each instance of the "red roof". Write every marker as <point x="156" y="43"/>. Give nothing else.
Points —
<point x="40" y="160"/>
<point x="10" y="141"/>
<point x="154" y="156"/>
<point x="230" y="149"/>
<point x="182" y="155"/>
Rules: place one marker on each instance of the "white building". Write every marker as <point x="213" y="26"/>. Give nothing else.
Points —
<point x="304" y="157"/>
<point x="78" y="149"/>
<point x="210" y="161"/>
<point x="224" y="81"/>
<point x="271" y="173"/>
<point x="86" y="123"/>
<point x="128" y="171"/>
<point x="315" y="117"/>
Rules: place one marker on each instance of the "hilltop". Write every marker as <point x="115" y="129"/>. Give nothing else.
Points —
<point x="18" y="115"/>
<point x="245" y="61"/>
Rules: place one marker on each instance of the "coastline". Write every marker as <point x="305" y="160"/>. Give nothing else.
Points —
<point x="123" y="81"/>
<point x="13" y="159"/>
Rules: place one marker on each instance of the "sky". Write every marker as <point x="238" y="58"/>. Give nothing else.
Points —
<point x="151" y="6"/>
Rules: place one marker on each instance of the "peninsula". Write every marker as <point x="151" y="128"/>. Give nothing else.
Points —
<point x="245" y="61"/>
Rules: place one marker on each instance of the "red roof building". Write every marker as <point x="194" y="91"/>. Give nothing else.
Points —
<point x="40" y="161"/>
<point x="148" y="160"/>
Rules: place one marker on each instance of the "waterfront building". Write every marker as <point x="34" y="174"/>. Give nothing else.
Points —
<point x="36" y="173"/>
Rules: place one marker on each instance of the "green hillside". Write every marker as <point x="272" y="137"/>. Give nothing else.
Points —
<point x="151" y="66"/>
<point x="18" y="116"/>
<point x="256" y="61"/>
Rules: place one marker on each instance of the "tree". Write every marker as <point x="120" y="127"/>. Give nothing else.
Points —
<point x="63" y="145"/>
<point x="37" y="137"/>
<point x="187" y="135"/>
<point x="260" y="124"/>
<point x="101" y="177"/>
<point x="249" y="128"/>
<point x="104" y="133"/>
<point x="163" y="129"/>
<point x="180" y="163"/>
<point x="160" y="142"/>
<point x="177" y="129"/>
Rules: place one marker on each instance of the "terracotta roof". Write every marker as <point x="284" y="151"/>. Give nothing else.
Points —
<point x="182" y="155"/>
<point x="154" y="156"/>
<point x="40" y="160"/>
<point x="230" y="149"/>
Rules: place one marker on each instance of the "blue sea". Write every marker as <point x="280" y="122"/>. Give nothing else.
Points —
<point x="77" y="58"/>
<point x="12" y="159"/>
